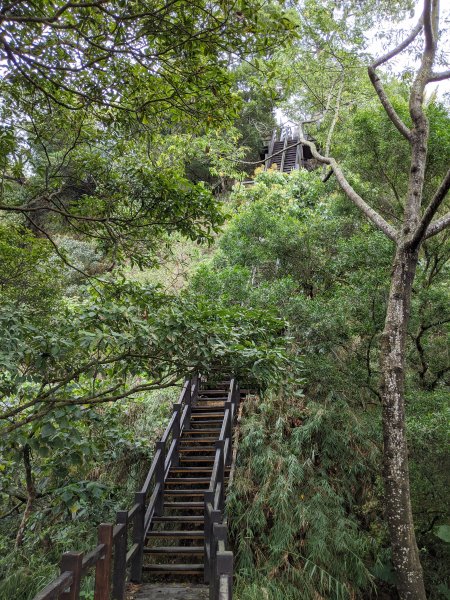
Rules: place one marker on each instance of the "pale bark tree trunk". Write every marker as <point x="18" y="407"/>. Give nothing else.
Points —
<point x="417" y="226"/>
<point x="405" y="555"/>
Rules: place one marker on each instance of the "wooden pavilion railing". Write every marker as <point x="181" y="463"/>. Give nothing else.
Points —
<point x="119" y="552"/>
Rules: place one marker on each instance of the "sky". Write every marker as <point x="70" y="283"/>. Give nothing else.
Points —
<point x="406" y="60"/>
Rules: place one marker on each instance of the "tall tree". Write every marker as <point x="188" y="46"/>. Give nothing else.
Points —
<point x="420" y="221"/>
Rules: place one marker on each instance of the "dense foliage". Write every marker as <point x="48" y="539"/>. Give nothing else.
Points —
<point x="307" y="505"/>
<point x="128" y="259"/>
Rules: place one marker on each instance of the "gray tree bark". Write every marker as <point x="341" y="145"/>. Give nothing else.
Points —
<point x="405" y="555"/>
<point x="417" y="226"/>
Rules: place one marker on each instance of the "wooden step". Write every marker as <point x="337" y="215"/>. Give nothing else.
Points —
<point x="199" y="469"/>
<point x="200" y="424"/>
<point x="186" y="505"/>
<point x="190" y="432"/>
<point x="186" y="480"/>
<point x="200" y="440"/>
<point x="207" y="415"/>
<point x="208" y="409"/>
<point x="175" y="550"/>
<point x="188" y="450"/>
<point x="174" y="569"/>
<point x="178" y="519"/>
<point x="196" y="459"/>
<point x="208" y="404"/>
<point x="179" y="534"/>
<point x="188" y="493"/>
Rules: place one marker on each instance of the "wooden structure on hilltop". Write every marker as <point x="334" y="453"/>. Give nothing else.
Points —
<point x="285" y="151"/>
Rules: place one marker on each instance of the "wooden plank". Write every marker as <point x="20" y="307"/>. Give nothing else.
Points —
<point x="120" y="557"/>
<point x="54" y="589"/>
<point x="72" y="561"/>
<point x="103" y="569"/>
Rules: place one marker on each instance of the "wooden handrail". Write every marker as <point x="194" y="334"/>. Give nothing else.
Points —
<point x="120" y="546"/>
<point x="56" y="587"/>
<point x="113" y="539"/>
<point x="218" y="560"/>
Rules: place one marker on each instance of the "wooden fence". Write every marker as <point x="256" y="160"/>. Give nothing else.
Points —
<point x="118" y="556"/>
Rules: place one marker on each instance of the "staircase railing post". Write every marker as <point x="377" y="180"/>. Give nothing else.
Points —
<point x="159" y="477"/>
<point x="194" y="388"/>
<point x="220" y="535"/>
<point x="236" y="396"/>
<point x="220" y="445"/>
<point x="211" y="516"/>
<point x="72" y="561"/>
<point x="176" y="434"/>
<point x="138" y="538"/>
<point x="208" y="502"/>
<point x="120" y="557"/>
<point x="188" y="402"/>
<point x="103" y="566"/>
<point x="283" y="156"/>
<point x="228" y="434"/>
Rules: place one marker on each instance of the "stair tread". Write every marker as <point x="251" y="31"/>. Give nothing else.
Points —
<point x="184" y="504"/>
<point x="192" y="469"/>
<point x="186" y="431"/>
<point x="187" y="480"/>
<point x="202" y="440"/>
<point x="197" y="459"/>
<point x="174" y="550"/>
<point x="183" y="568"/>
<point x="189" y="492"/>
<point x="206" y="415"/>
<point x="176" y="533"/>
<point x="178" y="518"/>
<point x="202" y="449"/>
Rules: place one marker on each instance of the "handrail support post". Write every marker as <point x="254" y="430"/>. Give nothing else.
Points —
<point x="138" y="538"/>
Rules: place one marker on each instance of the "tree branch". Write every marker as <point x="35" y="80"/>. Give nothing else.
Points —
<point x="428" y="25"/>
<point x="13" y="509"/>
<point x="378" y="86"/>
<point x="439" y="76"/>
<point x="429" y="213"/>
<point x="390" y="110"/>
<point x="438" y="226"/>
<point x="368" y="211"/>
<point x="406" y="42"/>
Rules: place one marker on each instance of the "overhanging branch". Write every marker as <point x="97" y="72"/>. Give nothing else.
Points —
<point x="429" y="213"/>
<point x="438" y="226"/>
<point x="351" y="193"/>
<point x="439" y="76"/>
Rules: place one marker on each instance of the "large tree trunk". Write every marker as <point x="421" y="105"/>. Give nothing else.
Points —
<point x="405" y="555"/>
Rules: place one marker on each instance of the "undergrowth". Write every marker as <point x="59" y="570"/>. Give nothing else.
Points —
<point x="125" y="436"/>
<point x="302" y="510"/>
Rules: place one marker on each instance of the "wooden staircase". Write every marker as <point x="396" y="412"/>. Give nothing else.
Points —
<point x="284" y="155"/>
<point x="175" y="544"/>
<point x="176" y="530"/>
<point x="178" y="542"/>
<point x="285" y="152"/>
